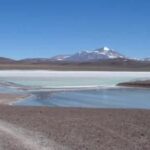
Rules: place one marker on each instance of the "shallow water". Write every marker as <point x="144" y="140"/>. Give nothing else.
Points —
<point x="102" y="98"/>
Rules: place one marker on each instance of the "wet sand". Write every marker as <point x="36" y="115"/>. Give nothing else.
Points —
<point x="81" y="129"/>
<point x="10" y="98"/>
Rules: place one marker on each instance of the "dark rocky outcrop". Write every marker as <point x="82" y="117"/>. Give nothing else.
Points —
<point x="144" y="84"/>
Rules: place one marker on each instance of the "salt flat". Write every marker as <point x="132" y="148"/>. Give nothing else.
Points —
<point x="44" y="73"/>
<point x="70" y="79"/>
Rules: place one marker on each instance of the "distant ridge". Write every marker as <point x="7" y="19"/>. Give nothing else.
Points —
<point x="6" y="60"/>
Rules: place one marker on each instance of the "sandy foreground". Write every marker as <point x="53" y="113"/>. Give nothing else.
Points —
<point x="41" y="128"/>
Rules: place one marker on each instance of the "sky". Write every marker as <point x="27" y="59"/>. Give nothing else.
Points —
<point x="44" y="28"/>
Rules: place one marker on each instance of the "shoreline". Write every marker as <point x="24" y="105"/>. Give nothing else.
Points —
<point x="74" y="128"/>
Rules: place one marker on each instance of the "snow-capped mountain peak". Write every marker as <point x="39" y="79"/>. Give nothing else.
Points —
<point x="110" y="53"/>
<point x="98" y="54"/>
<point x="103" y="53"/>
<point x="105" y="48"/>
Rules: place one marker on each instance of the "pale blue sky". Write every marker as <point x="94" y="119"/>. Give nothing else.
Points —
<point x="43" y="28"/>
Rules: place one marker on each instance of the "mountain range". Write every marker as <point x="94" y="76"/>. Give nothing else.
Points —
<point x="103" y="53"/>
<point x="99" y="59"/>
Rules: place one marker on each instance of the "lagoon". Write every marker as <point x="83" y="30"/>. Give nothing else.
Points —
<point x="88" y="89"/>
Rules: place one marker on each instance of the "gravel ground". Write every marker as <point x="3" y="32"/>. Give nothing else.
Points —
<point x="13" y="137"/>
<point x="79" y="129"/>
